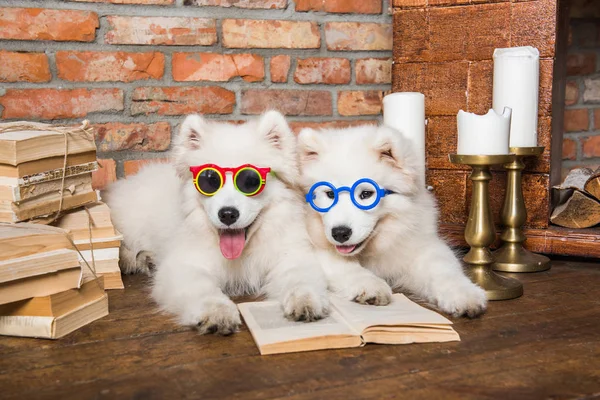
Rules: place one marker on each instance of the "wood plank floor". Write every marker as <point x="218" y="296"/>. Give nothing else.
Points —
<point x="545" y="345"/>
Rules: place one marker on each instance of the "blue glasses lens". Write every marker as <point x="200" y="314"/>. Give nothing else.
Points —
<point x="366" y="194"/>
<point x="323" y="196"/>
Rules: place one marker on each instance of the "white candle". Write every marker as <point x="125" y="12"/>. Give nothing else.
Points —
<point x="516" y="85"/>
<point x="483" y="134"/>
<point x="405" y="112"/>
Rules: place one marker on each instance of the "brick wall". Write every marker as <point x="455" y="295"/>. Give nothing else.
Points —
<point x="581" y="141"/>
<point x="134" y="67"/>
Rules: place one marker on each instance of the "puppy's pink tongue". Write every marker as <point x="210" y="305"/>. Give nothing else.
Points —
<point x="345" y="249"/>
<point x="232" y="243"/>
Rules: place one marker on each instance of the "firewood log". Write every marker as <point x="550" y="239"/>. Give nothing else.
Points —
<point x="579" y="211"/>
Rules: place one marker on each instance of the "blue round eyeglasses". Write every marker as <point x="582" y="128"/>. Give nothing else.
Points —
<point x="365" y="195"/>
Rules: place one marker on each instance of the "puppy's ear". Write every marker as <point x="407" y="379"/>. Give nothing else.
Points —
<point x="273" y="127"/>
<point x="191" y="131"/>
<point x="309" y="145"/>
<point x="275" y="131"/>
<point x="395" y="150"/>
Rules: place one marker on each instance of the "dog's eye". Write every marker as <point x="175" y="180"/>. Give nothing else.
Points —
<point x="365" y="194"/>
<point x="330" y="194"/>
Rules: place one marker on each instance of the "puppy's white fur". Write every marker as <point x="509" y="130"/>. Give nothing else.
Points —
<point x="160" y="211"/>
<point x="400" y="246"/>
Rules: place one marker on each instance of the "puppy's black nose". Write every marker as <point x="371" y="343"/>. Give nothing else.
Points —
<point x="228" y="215"/>
<point x="341" y="233"/>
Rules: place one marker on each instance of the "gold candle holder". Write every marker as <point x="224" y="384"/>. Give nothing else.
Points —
<point x="480" y="232"/>
<point x="512" y="256"/>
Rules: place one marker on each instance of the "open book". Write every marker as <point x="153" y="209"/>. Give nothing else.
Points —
<point x="349" y="324"/>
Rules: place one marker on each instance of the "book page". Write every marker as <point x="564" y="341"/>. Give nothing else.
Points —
<point x="400" y="312"/>
<point x="269" y="326"/>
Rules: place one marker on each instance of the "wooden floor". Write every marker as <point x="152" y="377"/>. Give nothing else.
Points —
<point x="541" y="346"/>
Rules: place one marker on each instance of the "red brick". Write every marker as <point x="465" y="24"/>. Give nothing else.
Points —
<point x="92" y="66"/>
<point x="597" y="118"/>
<point x="444" y="85"/>
<point x="479" y="87"/>
<point x="182" y="100"/>
<point x="132" y="167"/>
<point x="581" y="64"/>
<point x="161" y="30"/>
<point x="571" y="93"/>
<point x="322" y="70"/>
<point x="591" y="92"/>
<point x="297" y="126"/>
<point x="289" y="102"/>
<point x="24" y="67"/>
<point x="116" y="136"/>
<point x="569" y="149"/>
<point x="142" y="2"/>
<point x="340" y="6"/>
<point x="280" y="67"/>
<point x="265" y="4"/>
<point x="591" y="147"/>
<point x="577" y="120"/>
<point x="44" y="24"/>
<point x="373" y="71"/>
<point x="270" y="34"/>
<point x="59" y="103"/>
<point x="217" y="67"/>
<point x="358" y="36"/>
<point x="451" y="33"/>
<point x="105" y="174"/>
<point x="359" y="102"/>
<point x="546" y="84"/>
<point x="433" y="3"/>
<point x="533" y="23"/>
<point x="409" y="3"/>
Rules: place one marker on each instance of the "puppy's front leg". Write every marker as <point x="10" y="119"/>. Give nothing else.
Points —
<point x="185" y="289"/>
<point x="299" y="284"/>
<point x="437" y="275"/>
<point x="348" y="279"/>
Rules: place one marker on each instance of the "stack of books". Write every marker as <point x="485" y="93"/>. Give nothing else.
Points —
<point x="32" y="157"/>
<point x="92" y="230"/>
<point x="43" y="291"/>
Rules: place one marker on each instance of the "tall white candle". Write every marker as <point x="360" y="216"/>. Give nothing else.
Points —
<point x="405" y="112"/>
<point x="483" y="134"/>
<point x="516" y="85"/>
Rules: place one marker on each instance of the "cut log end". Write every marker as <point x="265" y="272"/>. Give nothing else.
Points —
<point x="580" y="211"/>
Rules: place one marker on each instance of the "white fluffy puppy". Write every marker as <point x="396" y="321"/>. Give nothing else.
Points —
<point x="209" y="247"/>
<point x="367" y="252"/>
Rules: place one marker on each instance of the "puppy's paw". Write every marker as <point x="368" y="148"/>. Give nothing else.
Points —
<point x="218" y="316"/>
<point x="145" y="263"/>
<point x="372" y="290"/>
<point x="305" y="304"/>
<point x="467" y="300"/>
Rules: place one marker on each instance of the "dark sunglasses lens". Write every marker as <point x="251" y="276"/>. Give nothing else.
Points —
<point x="209" y="181"/>
<point x="248" y="181"/>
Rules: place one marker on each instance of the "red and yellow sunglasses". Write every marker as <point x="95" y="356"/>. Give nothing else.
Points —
<point x="247" y="179"/>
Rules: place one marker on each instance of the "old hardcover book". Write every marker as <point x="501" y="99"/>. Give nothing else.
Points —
<point x="40" y="285"/>
<point x="107" y="266"/>
<point x="17" y="147"/>
<point x="46" y="204"/>
<point x="20" y="240"/>
<point x="19" y="193"/>
<point x="79" y="222"/>
<point x="349" y="324"/>
<point x="55" y="316"/>
<point x="32" y="168"/>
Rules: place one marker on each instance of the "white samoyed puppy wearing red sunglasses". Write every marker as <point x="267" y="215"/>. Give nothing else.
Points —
<point x="215" y="230"/>
<point x="379" y="233"/>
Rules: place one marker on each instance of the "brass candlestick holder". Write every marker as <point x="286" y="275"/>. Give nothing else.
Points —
<point x="480" y="232"/>
<point x="511" y="256"/>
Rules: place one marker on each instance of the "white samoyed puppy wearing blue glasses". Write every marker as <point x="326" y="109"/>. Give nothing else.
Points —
<point x="374" y="222"/>
<point x="222" y="218"/>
